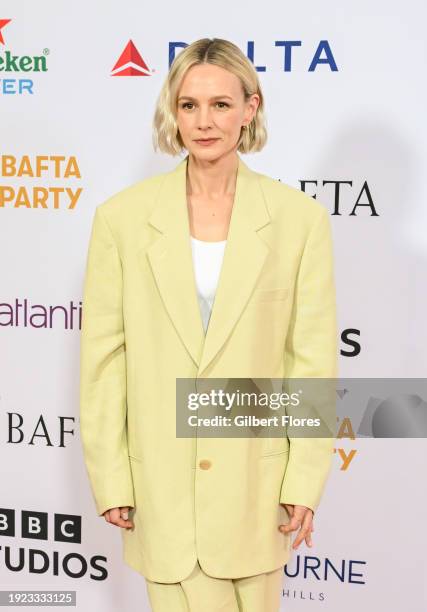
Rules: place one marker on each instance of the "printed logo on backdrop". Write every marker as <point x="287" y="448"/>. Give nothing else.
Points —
<point x="131" y="63"/>
<point x="23" y="312"/>
<point x="38" y="431"/>
<point x="318" y="54"/>
<point x="3" y="22"/>
<point x="353" y="346"/>
<point x="54" y="529"/>
<point x="344" y="199"/>
<point x="24" y="190"/>
<point x="12" y="63"/>
<point x="317" y="570"/>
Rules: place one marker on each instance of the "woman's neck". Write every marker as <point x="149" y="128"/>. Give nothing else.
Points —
<point x="212" y="179"/>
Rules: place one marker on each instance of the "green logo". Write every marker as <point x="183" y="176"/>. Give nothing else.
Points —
<point x="24" y="63"/>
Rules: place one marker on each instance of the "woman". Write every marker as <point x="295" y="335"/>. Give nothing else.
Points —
<point x="206" y="521"/>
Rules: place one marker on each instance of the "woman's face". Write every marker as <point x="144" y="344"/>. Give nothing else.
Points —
<point x="211" y="104"/>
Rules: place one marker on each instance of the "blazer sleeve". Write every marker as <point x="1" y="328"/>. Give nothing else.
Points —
<point x="103" y="404"/>
<point x="311" y="351"/>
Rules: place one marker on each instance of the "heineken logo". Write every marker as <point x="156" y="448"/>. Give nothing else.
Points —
<point x="22" y="63"/>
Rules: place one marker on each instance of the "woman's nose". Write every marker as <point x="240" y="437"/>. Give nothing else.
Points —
<point x="204" y="118"/>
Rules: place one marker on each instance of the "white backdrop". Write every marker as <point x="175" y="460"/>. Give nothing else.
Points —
<point x="362" y="123"/>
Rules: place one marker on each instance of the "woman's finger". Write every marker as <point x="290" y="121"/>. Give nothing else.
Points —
<point x="113" y="516"/>
<point x="305" y="532"/>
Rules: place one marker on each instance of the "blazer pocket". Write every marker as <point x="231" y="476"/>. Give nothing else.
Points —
<point x="134" y="457"/>
<point x="268" y="295"/>
<point x="275" y="453"/>
<point x="275" y="446"/>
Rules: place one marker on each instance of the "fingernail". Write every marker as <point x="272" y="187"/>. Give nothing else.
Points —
<point x="125" y="515"/>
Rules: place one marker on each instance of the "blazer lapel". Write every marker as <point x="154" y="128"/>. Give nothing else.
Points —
<point x="171" y="261"/>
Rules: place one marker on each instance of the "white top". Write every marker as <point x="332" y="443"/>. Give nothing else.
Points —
<point x="207" y="261"/>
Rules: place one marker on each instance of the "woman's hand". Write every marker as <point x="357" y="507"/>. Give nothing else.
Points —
<point x="119" y="517"/>
<point x="301" y="517"/>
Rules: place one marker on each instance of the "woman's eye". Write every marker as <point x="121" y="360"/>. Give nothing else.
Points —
<point x="186" y="104"/>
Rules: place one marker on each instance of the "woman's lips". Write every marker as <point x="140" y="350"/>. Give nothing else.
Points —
<point x="205" y="143"/>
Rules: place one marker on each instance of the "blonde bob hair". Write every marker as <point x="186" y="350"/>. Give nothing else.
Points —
<point x="219" y="52"/>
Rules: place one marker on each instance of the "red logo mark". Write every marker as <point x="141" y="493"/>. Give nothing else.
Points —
<point x="3" y="22"/>
<point x="130" y="63"/>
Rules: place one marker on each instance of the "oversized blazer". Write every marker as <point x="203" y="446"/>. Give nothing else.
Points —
<point x="274" y="316"/>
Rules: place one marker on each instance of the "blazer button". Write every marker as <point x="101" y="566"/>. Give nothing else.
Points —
<point x="205" y="464"/>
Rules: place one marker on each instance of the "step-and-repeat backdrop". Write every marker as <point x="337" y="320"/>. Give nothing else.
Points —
<point x="346" y="102"/>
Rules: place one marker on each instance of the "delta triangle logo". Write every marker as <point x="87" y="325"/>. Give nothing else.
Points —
<point x="130" y="63"/>
<point x="3" y="22"/>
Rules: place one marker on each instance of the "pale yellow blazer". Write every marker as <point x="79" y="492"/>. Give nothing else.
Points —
<point x="274" y="316"/>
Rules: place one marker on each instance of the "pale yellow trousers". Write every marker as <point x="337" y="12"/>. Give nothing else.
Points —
<point x="202" y="593"/>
